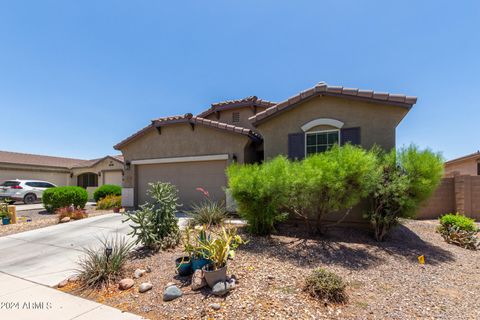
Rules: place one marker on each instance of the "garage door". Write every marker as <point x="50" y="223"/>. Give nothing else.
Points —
<point x="186" y="176"/>
<point x="113" y="177"/>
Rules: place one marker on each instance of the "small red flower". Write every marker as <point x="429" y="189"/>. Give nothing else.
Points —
<point x="205" y="192"/>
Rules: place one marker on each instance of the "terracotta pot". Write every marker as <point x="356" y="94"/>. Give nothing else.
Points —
<point x="116" y="210"/>
<point x="212" y="277"/>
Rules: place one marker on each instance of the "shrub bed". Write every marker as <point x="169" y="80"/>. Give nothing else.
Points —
<point x="109" y="202"/>
<point x="60" y="197"/>
<point x="106" y="190"/>
<point x="459" y="230"/>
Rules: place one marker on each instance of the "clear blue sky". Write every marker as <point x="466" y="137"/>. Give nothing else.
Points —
<point x="76" y="77"/>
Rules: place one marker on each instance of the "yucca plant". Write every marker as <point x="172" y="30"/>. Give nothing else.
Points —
<point x="100" y="267"/>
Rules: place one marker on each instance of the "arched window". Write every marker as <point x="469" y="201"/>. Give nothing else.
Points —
<point x="321" y="140"/>
<point x="88" y="179"/>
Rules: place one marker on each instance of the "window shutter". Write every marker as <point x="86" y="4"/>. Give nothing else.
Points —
<point x="351" y="135"/>
<point x="296" y="146"/>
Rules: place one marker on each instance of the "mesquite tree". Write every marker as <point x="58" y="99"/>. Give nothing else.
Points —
<point x="330" y="181"/>
<point x="407" y="178"/>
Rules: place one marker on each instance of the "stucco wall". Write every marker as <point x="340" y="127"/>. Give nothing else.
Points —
<point x="107" y="165"/>
<point x="377" y="122"/>
<point x="60" y="177"/>
<point x="466" y="167"/>
<point x="179" y="140"/>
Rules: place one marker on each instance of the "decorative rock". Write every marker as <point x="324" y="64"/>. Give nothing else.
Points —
<point x="62" y="284"/>
<point x="221" y="288"/>
<point x="139" y="273"/>
<point x="171" y="293"/>
<point x="144" y="287"/>
<point x="148" y="269"/>
<point x="215" y="306"/>
<point x="198" y="280"/>
<point x="125" y="284"/>
<point x="65" y="219"/>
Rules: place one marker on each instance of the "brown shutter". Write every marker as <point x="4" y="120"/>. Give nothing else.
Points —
<point x="350" y="135"/>
<point x="296" y="146"/>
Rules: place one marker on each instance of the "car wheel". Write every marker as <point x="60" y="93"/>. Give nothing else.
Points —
<point x="29" y="198"/>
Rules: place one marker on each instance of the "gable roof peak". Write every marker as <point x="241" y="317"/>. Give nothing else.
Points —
<point x="322" y="88"/>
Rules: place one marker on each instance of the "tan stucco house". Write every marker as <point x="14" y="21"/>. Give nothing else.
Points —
<point x="194" y="151"/>
<point x="467" y="165"/>
<point x="88" y="174"/>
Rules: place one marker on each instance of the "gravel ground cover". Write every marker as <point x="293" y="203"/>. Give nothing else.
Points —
<point x="385" y="280"/>
<point x="39" y="219"/>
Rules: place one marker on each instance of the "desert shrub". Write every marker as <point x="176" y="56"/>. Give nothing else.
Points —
<point x="330" y="181"/>
<point x="71" y="212"/>
<point x="208" y="212"/>
<point x="326" y="285"/>
<point x="98" y="268"/>
<point x="60" y="197"/>
<point x="106" y="190"/>
<point x="407" y="179"/>
<point x="155" y="225"/>
<point x="459" y="221"/>
<point x="260" y="193"/>
<point x="459" y="230"/>
<point x="109" y="202"/>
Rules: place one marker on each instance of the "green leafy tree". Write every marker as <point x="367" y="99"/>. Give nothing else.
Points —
<point x="260" y="193"/>
<point x="330" y="181"/>
<point x="156" y="225"/>
<point x="407" y="178"/>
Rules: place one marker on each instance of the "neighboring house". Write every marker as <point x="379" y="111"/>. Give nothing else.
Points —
<point x="466" y="165"/>
<point x="194" y="151"/>
<point x="88" y="174"/>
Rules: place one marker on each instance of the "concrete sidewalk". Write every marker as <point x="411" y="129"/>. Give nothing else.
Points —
<point x="49" y="255"/>
<point x="25" y="300"/>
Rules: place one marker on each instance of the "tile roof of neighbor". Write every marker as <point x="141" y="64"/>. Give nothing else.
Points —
<point x="244" y="102"/>
<point x="323" y="88"/>
<point x="189" y="118"/>
<point x="469" y="156"/>
<point x="42" y="160"/>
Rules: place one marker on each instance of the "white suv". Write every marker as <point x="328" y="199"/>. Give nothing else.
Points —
<point x="27" y="191"/>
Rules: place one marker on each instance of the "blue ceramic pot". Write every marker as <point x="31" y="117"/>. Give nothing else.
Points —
<point x="5" y="220"/>
<point x="199" y="263"/>
<point x="184" y="266"/>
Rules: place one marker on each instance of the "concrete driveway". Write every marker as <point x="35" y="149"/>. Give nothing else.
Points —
<point x="49" y="255"/>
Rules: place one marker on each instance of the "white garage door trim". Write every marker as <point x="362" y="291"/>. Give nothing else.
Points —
<point x="182" y="159"/>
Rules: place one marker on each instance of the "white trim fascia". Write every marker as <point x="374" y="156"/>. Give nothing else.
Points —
<point x="182" y="159"/>
<point x="322" y="122"/>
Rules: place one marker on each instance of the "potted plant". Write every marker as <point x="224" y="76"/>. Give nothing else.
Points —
<point x="184" y="266"/>
<point x="4" y="214"/>
<point x="218" y="250"/>
<point x="196" y="253"/>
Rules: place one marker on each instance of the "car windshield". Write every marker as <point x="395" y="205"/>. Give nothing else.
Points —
<point x="10" y="184"/>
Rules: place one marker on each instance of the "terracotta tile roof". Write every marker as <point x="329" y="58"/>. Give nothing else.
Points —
<point x="206" y="122"/>
<point x="48" y="161"/>
<point x="323" y="88"/>
<point x="38" y="160"/>
<point x="230" y="104"/>
<point x="467" y="157"/>
<point x="91" y="163"/>
<point x="189" y="118"/>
